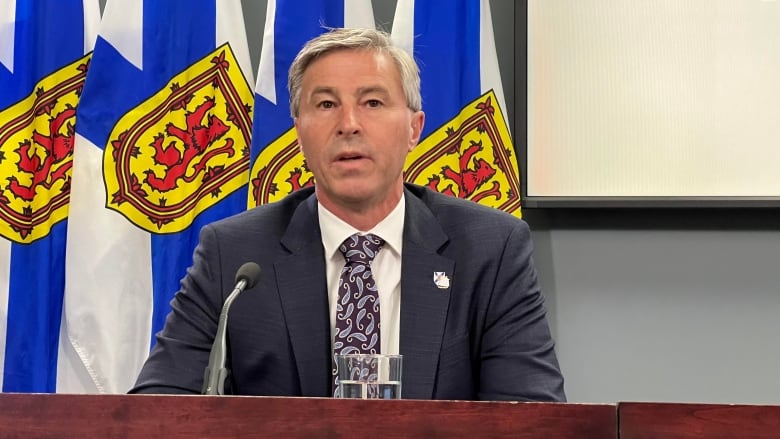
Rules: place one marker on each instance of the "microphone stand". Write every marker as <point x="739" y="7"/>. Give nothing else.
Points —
<point x="216" y="372"/>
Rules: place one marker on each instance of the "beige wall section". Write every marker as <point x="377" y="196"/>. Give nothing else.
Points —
<point x="663" y="98"/>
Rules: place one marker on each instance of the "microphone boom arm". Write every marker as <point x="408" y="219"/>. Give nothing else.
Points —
<point x="216" y="372"/>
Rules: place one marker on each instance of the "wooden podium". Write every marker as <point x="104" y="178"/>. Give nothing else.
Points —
<point x="649" y="420"/>
<point x="151" y="416"/>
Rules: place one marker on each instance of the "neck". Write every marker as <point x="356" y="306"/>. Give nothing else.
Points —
<point x="362" y="215"/>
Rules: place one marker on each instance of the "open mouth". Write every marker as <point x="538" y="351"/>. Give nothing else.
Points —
<point x="349" y="157"/>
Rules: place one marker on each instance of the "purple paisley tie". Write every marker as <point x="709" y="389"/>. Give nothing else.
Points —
<point x="357" y="310"/>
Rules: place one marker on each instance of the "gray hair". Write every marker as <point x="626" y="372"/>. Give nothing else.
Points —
<point x="369" y="39"/>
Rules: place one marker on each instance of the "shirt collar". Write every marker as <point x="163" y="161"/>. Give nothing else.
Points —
<point x="334" y="230"/>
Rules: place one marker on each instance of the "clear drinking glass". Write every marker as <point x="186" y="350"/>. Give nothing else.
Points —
<point x="369" y="376"/>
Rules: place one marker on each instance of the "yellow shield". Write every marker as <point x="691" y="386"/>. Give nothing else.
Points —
<point x="279" y="170"/>
<point x="183" y="149"/>
<point x="36" y="154"/>
<point x="470" y="157"/>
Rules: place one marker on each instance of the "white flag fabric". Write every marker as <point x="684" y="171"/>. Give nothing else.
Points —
<point x="278" y="167"/>
<point x="45" y="46"/>
<point x="162" y="149"/>
<point x="467" y="149"/>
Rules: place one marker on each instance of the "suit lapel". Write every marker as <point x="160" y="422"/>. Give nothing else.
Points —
<point x="424" y="305"/>
<point x="300" y="277"/>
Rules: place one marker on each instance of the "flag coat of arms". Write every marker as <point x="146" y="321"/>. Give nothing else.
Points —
<point x="278" y="167"/>
<point x="466" y="148"/>
<point x="162" y="149"/>
<point x="45" y="47"/>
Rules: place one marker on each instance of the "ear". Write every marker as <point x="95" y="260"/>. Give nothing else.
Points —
<point x="418" y="122"/>
<point x="295" y="125"/>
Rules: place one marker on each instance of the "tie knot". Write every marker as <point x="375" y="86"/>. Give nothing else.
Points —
<point x="361" y="249"/>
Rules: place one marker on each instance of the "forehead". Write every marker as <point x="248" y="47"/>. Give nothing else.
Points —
<point x="352" y="67"/>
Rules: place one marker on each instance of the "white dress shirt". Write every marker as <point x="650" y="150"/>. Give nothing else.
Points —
<point x="386" y="269"/>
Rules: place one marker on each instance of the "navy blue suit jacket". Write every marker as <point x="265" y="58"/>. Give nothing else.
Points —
<point x="485" y="337"/>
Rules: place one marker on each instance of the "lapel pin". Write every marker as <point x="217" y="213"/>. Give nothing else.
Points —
<point x="441" y="280"/>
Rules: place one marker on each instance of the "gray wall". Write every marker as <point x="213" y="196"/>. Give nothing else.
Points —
<point x="663" y="305"/>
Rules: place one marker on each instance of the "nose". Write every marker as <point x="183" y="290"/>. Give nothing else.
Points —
<point x="349" y="124"/>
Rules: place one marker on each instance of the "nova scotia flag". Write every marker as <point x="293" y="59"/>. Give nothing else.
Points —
<point x="466" y="149"/>
<point x="44" y="55"/>
<point x="162" y="149"/>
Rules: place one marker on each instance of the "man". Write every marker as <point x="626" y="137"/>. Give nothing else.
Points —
<point x="457" y="290"/>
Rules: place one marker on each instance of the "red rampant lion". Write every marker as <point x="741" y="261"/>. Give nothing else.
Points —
<point x="197" y="139"/>
<point x="57" y="147"/>
<point x="469" y="179"/>
<point x="296" y="182"/>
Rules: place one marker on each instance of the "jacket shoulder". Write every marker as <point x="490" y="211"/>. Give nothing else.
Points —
<point x="272" y="217"/>
<point x="459" y="213"/>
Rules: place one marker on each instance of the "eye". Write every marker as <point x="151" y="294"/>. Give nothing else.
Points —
<point x="326" y="104"/>
<point x="374" y="103"/>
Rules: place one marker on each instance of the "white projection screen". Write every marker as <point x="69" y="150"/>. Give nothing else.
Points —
<point x="675" y="99"/>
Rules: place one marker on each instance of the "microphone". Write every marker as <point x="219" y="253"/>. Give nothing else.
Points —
<point x="216" y="372"/>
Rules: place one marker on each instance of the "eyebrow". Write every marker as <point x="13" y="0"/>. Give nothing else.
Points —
<point x="323" y="90"/>
<point x="362" y="91"/>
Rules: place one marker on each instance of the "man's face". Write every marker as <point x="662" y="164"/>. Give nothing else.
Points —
<point x="355" y="129"/>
